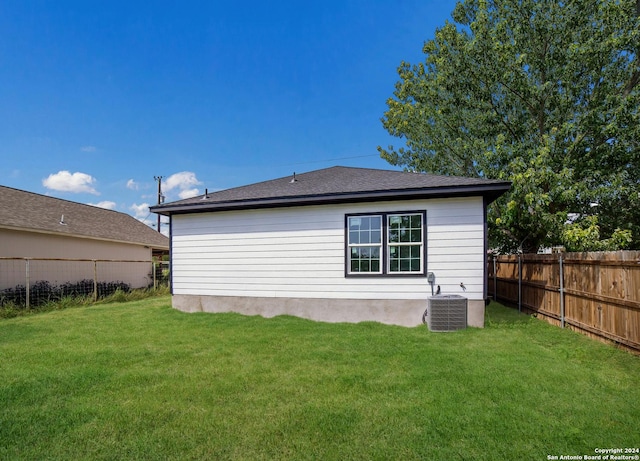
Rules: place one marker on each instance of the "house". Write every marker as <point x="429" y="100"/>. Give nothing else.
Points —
<point x="52" y="231"/>
<point x="338" y="245"/>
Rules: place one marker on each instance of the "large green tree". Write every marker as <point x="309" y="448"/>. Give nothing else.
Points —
<point x="543" y="93"/>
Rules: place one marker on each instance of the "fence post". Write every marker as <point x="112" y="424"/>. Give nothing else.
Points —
<point x="519" y="282"/>
<point x="561" y="292"/>
<point x="495" y="279"/>
<point x="155" y="283"/>
<point x="27" y="282"/>
<point x="95" y="280"/>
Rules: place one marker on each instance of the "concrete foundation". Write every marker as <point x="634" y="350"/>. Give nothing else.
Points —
<point x="403" y="312"/>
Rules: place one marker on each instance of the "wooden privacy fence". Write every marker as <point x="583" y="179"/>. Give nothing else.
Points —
<point x="597" y="294"/>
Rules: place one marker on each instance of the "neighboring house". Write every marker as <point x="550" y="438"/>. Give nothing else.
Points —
<point x="338" y="244"/>
<point x="41" y="227"/>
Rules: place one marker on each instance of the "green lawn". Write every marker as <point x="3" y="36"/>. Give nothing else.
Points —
<point x="140" y="380"/>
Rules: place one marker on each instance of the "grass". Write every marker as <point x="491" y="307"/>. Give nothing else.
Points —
<point x="10" y="309"/>
<point x="139" y="380"/>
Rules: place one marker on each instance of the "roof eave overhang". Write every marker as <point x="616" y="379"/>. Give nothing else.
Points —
<point x="489" y="192"/>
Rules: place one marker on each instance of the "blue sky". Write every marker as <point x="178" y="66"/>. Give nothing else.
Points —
<point x="97" y="98"/>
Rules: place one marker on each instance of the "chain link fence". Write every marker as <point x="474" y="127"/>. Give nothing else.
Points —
<point x="31" y="282"/>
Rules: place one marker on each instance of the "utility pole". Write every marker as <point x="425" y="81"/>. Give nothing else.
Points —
<point x="160" y="196"/>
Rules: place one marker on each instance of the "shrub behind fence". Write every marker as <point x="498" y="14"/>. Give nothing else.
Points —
<point x="34" y="281"/>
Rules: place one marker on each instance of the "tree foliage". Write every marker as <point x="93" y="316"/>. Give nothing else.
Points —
<point x="542" y="93"/>
<point x="585" y="236"/>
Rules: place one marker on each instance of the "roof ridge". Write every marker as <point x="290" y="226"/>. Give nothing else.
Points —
<point x="62" y="199"/>
<point x="396" y="171"/>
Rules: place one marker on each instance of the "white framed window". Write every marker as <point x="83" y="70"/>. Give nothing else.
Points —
<point x="390" y="244"/>
<point x="405" y="246"/>
<point x="364" y="244"/>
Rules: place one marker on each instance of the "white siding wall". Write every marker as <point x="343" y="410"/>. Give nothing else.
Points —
<point x="299" y="252"/>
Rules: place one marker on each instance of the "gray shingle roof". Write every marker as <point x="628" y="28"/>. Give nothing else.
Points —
<point x="337" y="185"/>
<point x="24" y="210"/>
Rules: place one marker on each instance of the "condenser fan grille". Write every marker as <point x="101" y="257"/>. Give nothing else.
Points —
<point x="447" y="313"/>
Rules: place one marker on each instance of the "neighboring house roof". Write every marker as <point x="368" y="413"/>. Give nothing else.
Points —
<point x="27" y="211"/>
<point x="337" y="185"/>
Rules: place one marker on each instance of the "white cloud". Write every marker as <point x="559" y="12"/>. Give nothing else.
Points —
<point x="183" y="182"/>
<point x="188" y="193"/>
<point x="67" y="182"/>
<point x="88" y="149"/>
<point x="140" y="211"/>
<point x="131" y="184"/>
<point x="106" y="204"/>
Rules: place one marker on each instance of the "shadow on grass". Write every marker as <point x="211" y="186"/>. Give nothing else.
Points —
<point x="497" y="314"/>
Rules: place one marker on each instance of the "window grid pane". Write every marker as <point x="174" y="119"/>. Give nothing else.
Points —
<point x="405" y="258"/>
<point x="365" y="259"/>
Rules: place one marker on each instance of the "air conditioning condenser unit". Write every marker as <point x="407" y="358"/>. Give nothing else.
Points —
<point x="447" y="313"/>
